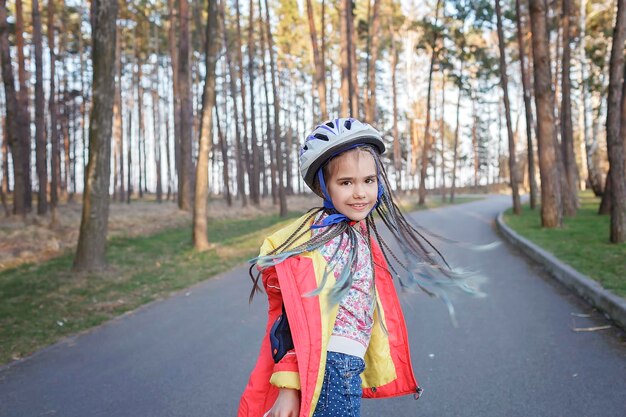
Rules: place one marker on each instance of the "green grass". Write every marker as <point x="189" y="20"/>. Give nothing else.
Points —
<point x="39" y="304"/>
<point x="582" y="242"/>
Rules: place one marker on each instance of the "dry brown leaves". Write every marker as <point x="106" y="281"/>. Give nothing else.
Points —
<point x="35" y="239"/>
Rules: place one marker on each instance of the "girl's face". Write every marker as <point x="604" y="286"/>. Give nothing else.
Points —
<point x="353" y="184"/>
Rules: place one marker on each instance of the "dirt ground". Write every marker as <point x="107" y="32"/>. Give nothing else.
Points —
<point x="34" y="239"/>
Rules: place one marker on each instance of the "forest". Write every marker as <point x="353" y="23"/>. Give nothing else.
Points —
<point x="196" y="100"/>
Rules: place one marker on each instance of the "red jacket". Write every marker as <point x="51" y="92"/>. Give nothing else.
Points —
<point x="388" y="370"/>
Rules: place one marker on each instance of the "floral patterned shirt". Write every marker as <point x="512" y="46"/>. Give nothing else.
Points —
<point x="355" y="315"/>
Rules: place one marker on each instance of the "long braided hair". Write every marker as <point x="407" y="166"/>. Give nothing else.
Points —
<point x="424" y="265"/>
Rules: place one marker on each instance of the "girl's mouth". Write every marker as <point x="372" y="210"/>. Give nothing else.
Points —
<point x="359" y="206"/>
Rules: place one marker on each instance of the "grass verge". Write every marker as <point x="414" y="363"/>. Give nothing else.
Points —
<point x="582" y="242"/>
<point x="40" y="304"/>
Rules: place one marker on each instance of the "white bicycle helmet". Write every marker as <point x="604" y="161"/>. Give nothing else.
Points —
<point x="329" y="139"/>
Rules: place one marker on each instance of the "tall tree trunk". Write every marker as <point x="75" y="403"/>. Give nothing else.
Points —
<point x="551" y="206"/>
<point x="526" y="87"/>
<point x="118" y="159"/>
<point x="426" y="147"/>
<point x="141" y="132"/>
<point x="263" y="29"/>
<point x="318" y="62"/>
<point x="91" y="249"/>
<point x="592" y="169"/>
<point x="355" y="104"/>
<point x="173" y="47"/>
<point x="397" y="146"/>
<point x="13" y="118"/>
<point x="84" y="93"/>
<point x="475" y="137"/>
<point x="156" y="111"/>
<point x="168" y="157"/>
<point x="40" y="122"/>
<point x="373" y="37"/>
<point x="186" y="171"/>
<point x="442" y="133"/>
<point x="239" y="143"/>
<point x="129" y="153"/>
<point x="616" y="128"/>
<point x="200" y="238"/>
<point x="64" y="101"/>
<point x="517" y="207"/>
<point x="345" y="91"/>
<point x="225" y="168"/>
<point x="276" y="131"/>
<point x="55" y="149"/>
<point x="457" y="130"/>
<point x="570" y="198"/>
<point x="255" y="189"/>
<point x="23" y="104"/>
<point x="244" y="116"/>
<point x="65" y="131"/>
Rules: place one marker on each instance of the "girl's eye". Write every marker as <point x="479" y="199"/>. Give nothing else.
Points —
<point x="346" y="183"/>
<point x="370" y="181"/>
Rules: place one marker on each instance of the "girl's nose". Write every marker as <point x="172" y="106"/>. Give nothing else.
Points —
<point x="359" y="191"/>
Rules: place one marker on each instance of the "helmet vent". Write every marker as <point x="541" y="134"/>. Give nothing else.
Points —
<point x="321" y="136"/>
<point x="331" y="125"/>
<point x="348" y="124"/>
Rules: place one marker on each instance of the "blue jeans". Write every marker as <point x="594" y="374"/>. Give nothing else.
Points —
<point x="341" y="392"/>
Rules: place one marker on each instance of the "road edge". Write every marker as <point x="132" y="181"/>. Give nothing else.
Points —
<point x="613" y="306"/>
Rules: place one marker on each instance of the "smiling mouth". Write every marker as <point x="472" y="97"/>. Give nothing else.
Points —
<point x="359" y="206"/>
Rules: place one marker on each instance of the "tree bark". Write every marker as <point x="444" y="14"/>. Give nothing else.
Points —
<point x="173" y="47"/>
<point x="40" y="122"/>
<point x="526" y="88"/>
<point x="156" y="119"/>
<point x="186" y="180"/>
<point x="239" y="145"/>
<point x="355" y="102"/>
<point x="13" y="118"/>
<point x="255" y="189"/>
<point x="84" y="94"/>
<point x="397" y="146"/>
<point x="23" y="104"/>
<point x="551" y="206"/>
<point x="345" y="91"/>
<point x="517" y="206"/>
<point x="426" y="147"/>
<point x="118" y="158"/>
<point x="141" y="132"/>
<point x="225" y="168"/>
<point x="442" y="133"/>
<point x="570" y="199"/>
<point x="242" y="90"/>
<point x="318" y="62"/>
<point x="457" y="130"/>
<point x="200" y="237"/>
<point x="55" y="150"/>
<point x="91" y="249"/>
<point x="373" y="37"/>
<point x="276" y="131"/>
<point x="616" y="128"/>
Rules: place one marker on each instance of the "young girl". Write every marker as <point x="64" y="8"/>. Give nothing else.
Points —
<point x="336" y="332"/>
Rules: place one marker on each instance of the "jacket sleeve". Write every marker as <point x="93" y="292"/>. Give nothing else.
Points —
<point x="285" y="373"/>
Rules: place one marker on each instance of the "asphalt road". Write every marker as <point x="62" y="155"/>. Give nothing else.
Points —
<point x="513" y="354"/>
